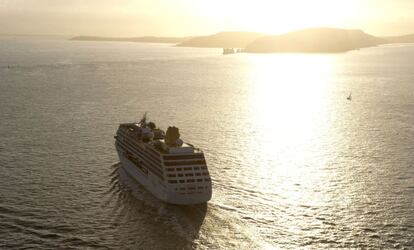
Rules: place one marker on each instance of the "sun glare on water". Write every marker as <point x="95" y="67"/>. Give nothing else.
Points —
<point x="289" y="102"/>
<point x="291" y="84"/>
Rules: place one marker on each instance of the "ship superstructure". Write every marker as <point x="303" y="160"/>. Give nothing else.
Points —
<point x="172" y="170"/>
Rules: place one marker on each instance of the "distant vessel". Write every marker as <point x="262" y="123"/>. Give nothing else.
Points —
<point x="227" y="51"/>
<point x="349" y="96"/>
<point x="172" y="170"/>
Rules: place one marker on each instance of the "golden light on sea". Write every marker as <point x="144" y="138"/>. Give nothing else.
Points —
<point x="289" y="98"/>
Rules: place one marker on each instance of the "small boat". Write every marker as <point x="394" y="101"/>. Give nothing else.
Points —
<point x="349" y="96"/>
<point x="227" y="51"/>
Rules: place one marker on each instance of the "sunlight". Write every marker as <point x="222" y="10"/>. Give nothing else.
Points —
<point x="275" y="16"/>
<point x="291" y="84"/>
<point x="289" y="101"/>
<point x="290" y="96"/>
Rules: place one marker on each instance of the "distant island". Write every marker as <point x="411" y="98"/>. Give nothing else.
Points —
<point x="327" y="40"/>
<point x="143" y="39"/>
<point x="313" y="40"/>
<point x="235" y="39"/>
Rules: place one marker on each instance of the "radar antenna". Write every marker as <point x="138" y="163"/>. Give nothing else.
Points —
<point x="143" y="121"/>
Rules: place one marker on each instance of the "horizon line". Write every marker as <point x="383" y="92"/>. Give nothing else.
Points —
<point x="175" y="36"/>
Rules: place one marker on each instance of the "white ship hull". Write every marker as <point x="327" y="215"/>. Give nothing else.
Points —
<point x="163" y="191"/>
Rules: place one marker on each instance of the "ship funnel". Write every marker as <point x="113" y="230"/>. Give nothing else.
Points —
<point x="172" y="136"/>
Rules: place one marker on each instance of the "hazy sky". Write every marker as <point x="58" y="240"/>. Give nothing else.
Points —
<point x="197" y="17"/>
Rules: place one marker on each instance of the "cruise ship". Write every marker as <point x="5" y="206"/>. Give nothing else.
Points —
<point x="172" y="170"/>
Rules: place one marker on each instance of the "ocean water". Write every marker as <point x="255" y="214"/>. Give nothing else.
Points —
<point x="294" y="163"/>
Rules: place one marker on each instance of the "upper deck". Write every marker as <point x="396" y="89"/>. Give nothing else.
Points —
<point x="155" y="140"/>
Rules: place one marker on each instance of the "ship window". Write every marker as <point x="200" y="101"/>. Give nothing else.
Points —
<point x="171" y="175"/>
<point x="180" y="175"/>
<point x="170" y="169"/>
<point x="207" y="179"/>
<point x="188" y="168"/>
<point x="205" y="173"/>
<point x="193" y="162"/>
<point x="199" y="180"/>
<point x="172" y="181"/>
<point x="197" y="174"/>
<point x="190" y="180"/>
<point x="200" y="187"/>
<point x="183" y="157"/>
<point x="182" y="188"/>
<point x="191" y="188"/>
<point x="179" y="169"/>
<point x="182" y="181"/>
<point x="196" y="168"/>
<point x="203" y="167"/>
<point x="189" y="175"/>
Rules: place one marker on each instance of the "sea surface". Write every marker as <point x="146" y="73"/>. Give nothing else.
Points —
<point x="294" y="163"/>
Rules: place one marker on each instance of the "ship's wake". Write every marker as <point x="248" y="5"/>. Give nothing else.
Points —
<point x="130" y="201"/>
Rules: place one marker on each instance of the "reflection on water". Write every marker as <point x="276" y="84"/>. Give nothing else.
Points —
<point x="288" y="105"/>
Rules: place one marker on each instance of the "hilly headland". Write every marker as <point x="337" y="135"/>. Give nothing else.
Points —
<point x="312" y="40"/>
